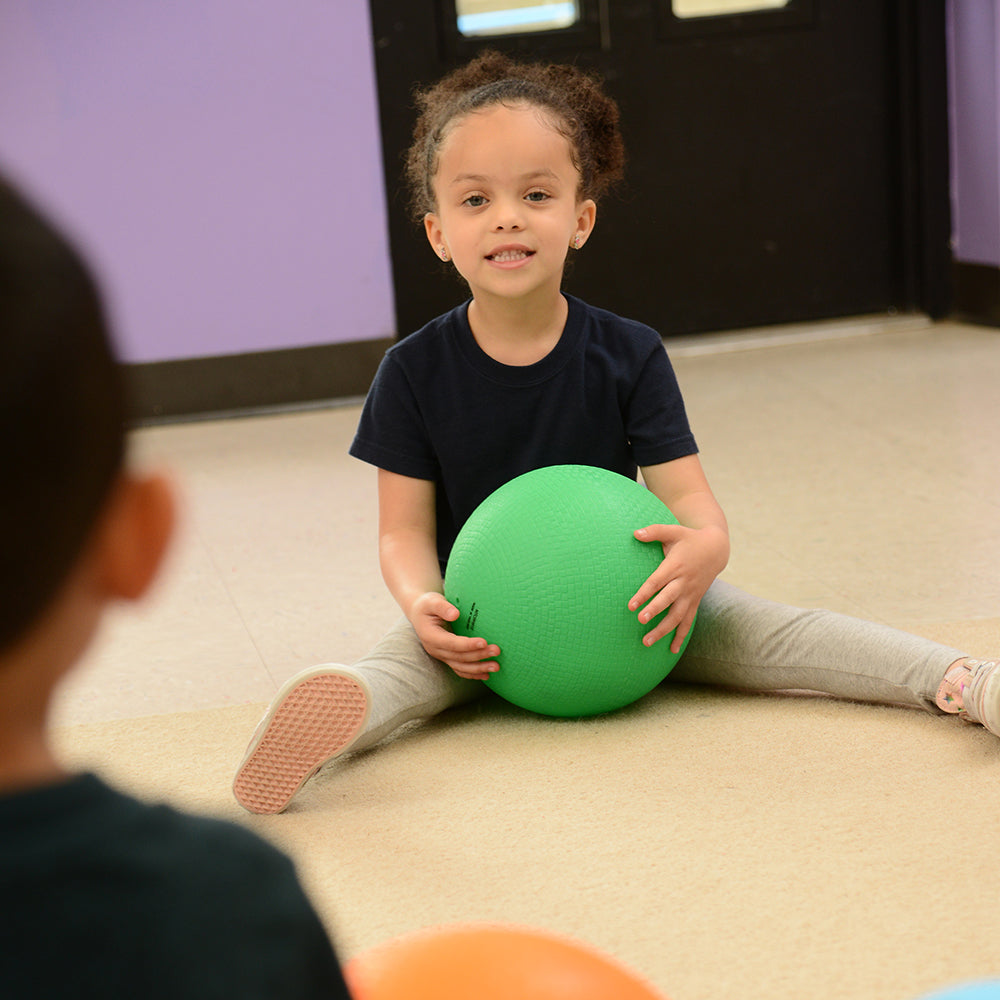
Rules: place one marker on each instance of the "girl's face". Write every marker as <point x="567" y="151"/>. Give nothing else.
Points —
<point x="507" y="205"/>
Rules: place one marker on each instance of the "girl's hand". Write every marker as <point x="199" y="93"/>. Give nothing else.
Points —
<point x="692" y="558"/>
<point x="430" y="615"/>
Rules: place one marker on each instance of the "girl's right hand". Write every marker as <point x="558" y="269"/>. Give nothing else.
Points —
<point x="473" y="658"/>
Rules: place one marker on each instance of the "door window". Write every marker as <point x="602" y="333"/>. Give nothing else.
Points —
<point x="486" y="18"/>
<point x="716" y="8"/>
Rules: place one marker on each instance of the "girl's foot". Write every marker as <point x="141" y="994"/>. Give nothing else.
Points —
<point x="316" y="716"/>
<point x="971" y="688"/>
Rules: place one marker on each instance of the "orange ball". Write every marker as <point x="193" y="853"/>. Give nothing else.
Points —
<point x="490" y="962"/>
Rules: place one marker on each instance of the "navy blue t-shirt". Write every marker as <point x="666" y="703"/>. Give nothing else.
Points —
<point x="105" y="896"/>
<point x="442" y="409"/>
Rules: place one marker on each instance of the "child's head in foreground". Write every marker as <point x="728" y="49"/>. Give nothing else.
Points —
<point x="545" y="138"/>
<point x="67" y="496"/>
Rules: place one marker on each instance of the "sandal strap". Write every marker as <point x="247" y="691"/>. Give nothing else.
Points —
<point x="950" y="695"/>
<point x="973" y="692"/>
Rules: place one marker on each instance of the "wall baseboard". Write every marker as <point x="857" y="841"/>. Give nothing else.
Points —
<point x="200" y="388"/>
<point x="976" y="293"/>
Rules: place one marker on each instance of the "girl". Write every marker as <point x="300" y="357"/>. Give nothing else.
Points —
<point x="506" y="167"/>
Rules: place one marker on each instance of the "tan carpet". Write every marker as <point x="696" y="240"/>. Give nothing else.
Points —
<point x="725" y="845"/>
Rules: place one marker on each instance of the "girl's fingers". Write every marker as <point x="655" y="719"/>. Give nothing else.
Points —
<point x="652" y="586"/>
<point x="682" y="625"/>
<point x="661" y="601"/>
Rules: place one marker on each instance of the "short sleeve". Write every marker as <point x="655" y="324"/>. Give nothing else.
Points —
<point x="656" y="419"/>
<point x="392" y="433"/>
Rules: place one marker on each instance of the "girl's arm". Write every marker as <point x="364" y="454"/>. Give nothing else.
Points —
<point x="695" y="551"/>
<point x="408" y="558"/>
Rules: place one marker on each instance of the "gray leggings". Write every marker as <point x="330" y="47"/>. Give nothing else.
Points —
<point x="740" y="641"/>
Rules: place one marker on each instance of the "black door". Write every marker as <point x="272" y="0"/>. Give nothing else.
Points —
<point x="786" y="164"/>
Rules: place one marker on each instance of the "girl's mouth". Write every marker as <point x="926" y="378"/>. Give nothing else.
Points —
<point x="509" y="255"/>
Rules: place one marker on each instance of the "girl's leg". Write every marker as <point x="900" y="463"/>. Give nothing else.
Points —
<point x="746" y="642"/>
<point x="325" y="711"/>
<point x="405" y="684"/>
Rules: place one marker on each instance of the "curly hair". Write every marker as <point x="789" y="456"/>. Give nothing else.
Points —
<point x="574" y="101"/>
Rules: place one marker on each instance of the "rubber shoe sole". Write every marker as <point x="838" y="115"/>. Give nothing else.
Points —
<point x="315" y="717"/>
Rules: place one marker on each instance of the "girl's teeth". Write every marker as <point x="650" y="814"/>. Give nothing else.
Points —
<point x="506" y="255"/>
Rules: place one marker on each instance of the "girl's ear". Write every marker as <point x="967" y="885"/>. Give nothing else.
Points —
<point x="585" y="222"/>
<point x="138" y="526"/>
<point x="435" y="235"/>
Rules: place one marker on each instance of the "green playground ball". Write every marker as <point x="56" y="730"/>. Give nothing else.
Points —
<point x="545" y="568"/>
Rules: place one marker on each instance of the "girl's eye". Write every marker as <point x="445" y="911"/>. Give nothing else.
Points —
<point x="475" y="201"/>
<point x="537" y="196"/>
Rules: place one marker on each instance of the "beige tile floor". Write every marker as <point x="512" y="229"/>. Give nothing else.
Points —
<point x="858" y="461"/>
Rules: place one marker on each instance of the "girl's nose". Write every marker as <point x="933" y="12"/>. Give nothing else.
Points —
<point x="508" y="217"/>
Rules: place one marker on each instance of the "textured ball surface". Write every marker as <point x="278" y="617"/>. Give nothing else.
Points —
<point x="490" y="962"/>
<point x="545" y="568"/>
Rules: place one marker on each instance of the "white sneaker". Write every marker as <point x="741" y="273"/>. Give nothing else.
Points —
<point x="981" y="694"/>
<point x="316" y="716"/>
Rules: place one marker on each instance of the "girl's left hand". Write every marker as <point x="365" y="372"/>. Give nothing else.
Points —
<point x="692" y="558"/>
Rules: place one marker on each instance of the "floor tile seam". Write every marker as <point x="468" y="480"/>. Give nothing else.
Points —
<point x="248" y="631"/>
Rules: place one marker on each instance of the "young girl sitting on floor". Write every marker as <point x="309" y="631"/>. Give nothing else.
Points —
<point x="507" y="163"/>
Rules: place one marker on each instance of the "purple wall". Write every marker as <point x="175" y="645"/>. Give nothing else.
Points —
<point x="974" y="45"/>
<point x="218" y="159"/>
<point x="220" y="162"/>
